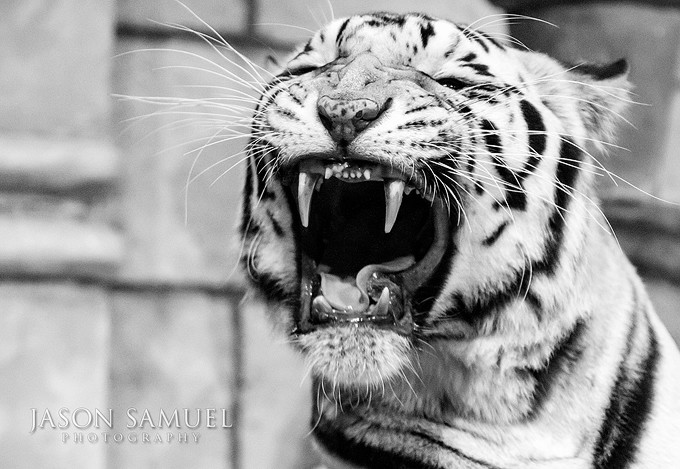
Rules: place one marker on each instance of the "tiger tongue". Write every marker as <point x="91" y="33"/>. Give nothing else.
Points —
<point x="343" y="294"/>
<point x="351" y="295"/>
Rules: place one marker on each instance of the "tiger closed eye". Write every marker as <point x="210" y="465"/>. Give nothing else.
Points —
<point x="453" y="83"/>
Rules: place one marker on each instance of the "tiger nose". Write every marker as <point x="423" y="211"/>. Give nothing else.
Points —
<point x="345" y="118"/>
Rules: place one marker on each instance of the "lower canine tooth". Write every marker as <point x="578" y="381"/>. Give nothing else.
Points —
<point x="306" y="183"/>
<point x="381" y="308"/>
<point x="321" y="305"/>
<point x="394" y="192"/>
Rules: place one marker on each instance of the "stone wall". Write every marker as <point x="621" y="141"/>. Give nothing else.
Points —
<point x="58" y="240"/>
<point x="118" y="278"/>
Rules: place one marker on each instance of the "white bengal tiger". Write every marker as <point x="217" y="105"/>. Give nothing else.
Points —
<point x="419" y="214"/>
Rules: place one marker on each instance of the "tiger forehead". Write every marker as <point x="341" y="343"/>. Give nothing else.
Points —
<point x="413" y="40"/>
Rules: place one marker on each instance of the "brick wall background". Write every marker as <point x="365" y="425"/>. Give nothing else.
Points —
<point x="118" y="285"/>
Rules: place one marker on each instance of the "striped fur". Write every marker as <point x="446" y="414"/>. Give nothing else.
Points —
<point x="536" y="345"/>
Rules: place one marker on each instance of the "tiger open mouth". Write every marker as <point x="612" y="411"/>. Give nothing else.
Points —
<point x="370" y="236"/>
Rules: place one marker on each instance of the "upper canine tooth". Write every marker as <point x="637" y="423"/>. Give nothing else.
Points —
<point x="306" y="183"/>
<point x="394" y="191"/>
<point x="328" y="173"/>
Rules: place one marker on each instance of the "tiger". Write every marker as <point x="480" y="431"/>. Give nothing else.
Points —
<point x="419" y="215"/>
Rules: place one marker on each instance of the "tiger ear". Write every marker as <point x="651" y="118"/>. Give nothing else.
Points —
<point x="598" y="93"/>
<point x="618" y="68"/>
<point x="603" y="93"/>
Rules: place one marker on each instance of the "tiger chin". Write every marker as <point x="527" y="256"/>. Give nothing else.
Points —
<point x="419" y="214"/>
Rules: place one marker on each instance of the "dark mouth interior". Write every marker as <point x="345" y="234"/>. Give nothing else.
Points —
<point x="346" y="227"/>
<point x="370" y="237"/>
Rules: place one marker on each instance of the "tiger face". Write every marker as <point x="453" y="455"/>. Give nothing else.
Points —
<point x="409" y="181"/>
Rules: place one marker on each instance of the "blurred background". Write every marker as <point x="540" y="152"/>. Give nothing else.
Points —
<point x="118" y="278"/>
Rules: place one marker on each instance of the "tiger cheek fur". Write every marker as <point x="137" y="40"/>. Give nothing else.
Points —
<point x="419" y="215"/>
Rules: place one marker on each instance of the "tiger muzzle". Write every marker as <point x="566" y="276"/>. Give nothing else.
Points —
<point x="371" y="234"/>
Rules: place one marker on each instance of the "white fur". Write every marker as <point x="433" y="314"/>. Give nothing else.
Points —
<point x="474" y="393"/>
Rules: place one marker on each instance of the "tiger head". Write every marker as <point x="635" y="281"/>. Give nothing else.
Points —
<point x="410" y="178"/>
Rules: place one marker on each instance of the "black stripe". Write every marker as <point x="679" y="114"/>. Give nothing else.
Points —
<point x="515" y="196"/>
<point x="496" y="234"/>
<point x="257" y="154"/>
<point x="537" y="137"/>
<point x="479" y="187"/>
<point x="375" y="23"/>
<point x="296" y="301"/>
<point x="566" y="174"/>
<point x="562" y="359"/>
<point x="443" y="446"/>
<point x="274" y="288"/>
<point x="475" y="36"/>
<point x="287" y="114"/>
<point x="473" y="311"/>
<point x="479" y="68"/>
<point x="630" y="403"/>
<point x="246" y="210"/>
<point x="333" y="436"/>
<point x="420" y="124"/>
<point x="338" y="38"/>
<point x="493" y="144"/>
<point x="294" y="98"/>
<point x="483" y="306"/>
<point x="493" y="141"/>
<point x="418" y="108"/>
<point x="472" y="162"/>
<point x="261" y="172"/>
<point x="517" y="199"/>
<point x="271" y="97"/>
<point x="275" y="224"/>
<point x="535" y="302"/>
<point x="429" y="291"/>
<point x="391" y="18"/>
<point x="491" y="40"/>
<point x="330" y="435"/>
<point x="426" y="32"/>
